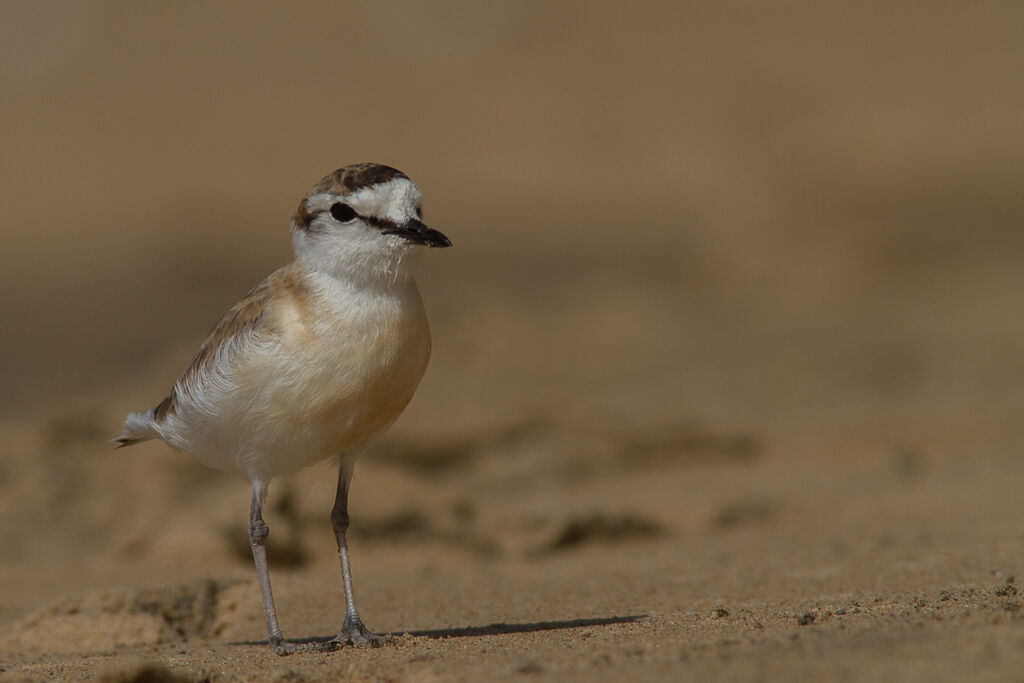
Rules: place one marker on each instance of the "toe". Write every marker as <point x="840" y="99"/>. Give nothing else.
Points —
<point x="282" y="647"/>
<point x="355" y="633"/>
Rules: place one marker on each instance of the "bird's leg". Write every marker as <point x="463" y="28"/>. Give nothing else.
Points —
<point x="258" y="532"/>
<point x="353" y="630"/>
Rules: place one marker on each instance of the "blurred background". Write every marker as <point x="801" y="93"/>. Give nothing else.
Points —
<point x="715" y="205"/>
<point x="752" y="231"/>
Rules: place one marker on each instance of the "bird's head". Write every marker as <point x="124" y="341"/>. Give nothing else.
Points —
<point x="362" y="221"/>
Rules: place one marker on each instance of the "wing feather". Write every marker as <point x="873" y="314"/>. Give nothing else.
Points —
<point x="244" y="317"/>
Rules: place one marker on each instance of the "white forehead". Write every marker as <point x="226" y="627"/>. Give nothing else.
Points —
<point x="398" y="199"/>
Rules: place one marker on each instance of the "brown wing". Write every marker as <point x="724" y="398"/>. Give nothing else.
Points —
<point x="243" y="316"/>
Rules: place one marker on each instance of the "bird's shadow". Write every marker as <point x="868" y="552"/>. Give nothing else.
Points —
<point x="502" y="628"/>
<point x="496" y="629"/>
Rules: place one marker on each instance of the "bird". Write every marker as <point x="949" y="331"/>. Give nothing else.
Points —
<point x="314" y="363"/>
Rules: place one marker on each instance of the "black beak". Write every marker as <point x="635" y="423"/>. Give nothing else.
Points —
<point x="418" y="233"/>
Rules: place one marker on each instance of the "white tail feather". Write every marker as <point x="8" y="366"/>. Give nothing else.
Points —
<point x="137" y="427"/>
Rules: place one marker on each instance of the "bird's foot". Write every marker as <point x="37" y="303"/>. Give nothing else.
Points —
<point x="354" y="632"/>
<point x="282" y="647"/>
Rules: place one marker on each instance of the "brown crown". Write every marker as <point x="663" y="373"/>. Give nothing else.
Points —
<point x="345" y="181"/>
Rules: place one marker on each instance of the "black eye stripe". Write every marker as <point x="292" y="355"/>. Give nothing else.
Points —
<point x="380" y="223"/>
<point x="343" y="213"/>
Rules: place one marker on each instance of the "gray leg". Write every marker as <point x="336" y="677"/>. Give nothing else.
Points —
<point x="258" y="532"/>
<point x="353" y="630"/>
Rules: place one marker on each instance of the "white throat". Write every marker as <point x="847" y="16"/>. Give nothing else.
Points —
<point x="357" y="263"/>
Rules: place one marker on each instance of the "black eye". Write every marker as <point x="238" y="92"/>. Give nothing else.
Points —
<point x="342" y="213"/>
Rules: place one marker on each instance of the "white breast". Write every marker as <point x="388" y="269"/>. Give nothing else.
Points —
<point x="337" y="370"/>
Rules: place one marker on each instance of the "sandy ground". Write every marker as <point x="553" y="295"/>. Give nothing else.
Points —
<point x="728" y="354"/>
